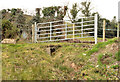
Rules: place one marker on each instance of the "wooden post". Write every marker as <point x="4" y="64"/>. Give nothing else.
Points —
<point x="33" y="33"/>
<point x="95" y="27"/>
<point x="73" y="32"/>
<point x="104" y="23"/>
<point x="118" y="28"/>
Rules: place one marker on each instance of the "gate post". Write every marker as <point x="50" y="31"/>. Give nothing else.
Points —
<point x="118" y="28"/>
<point x="73" y="32"/>
<point x="95" y="28"/>
<point x="104" y="24"/>
<point x="82" y="28"/>
<point x="65" y="30"/>
<point x="33" y="33"/>
<point x="35" y="40"/>
<point x="50" y="30"/>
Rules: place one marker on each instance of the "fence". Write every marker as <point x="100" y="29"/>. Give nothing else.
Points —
<point x="60" y="30"/>
<point x="108" y="31"/>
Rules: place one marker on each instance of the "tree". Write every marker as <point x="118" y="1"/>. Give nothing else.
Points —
<point x="74" y="11"/>
<point x="61" y="12"/>
<point x="49" y="11"/>
<point x="8" y="30"/>
<point x="86" y="10"/>
<point x="3" y="12"/>
<point x="38" y="11"/>
<point x="37" y="17"/>
<point x="13" y="11"/>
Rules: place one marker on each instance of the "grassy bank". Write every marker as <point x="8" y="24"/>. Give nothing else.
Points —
<point x="70" y="61"/>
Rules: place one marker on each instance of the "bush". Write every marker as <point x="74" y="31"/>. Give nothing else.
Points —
<point x="8" y="30"/>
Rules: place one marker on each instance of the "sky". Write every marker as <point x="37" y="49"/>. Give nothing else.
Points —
<point x="107" y="8"/>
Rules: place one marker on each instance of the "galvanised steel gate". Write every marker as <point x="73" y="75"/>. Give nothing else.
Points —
<point x="84" y="27"/>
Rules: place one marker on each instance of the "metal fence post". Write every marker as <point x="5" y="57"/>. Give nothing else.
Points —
<point x="35" y="33"/>
<point x="66" y="30"/>
<point x="118" y="28"/>
<point x="95" y="28"/>
<point x="82" y="28"/>
<point x="50" y="31"/>
<point x="73" y="31"/>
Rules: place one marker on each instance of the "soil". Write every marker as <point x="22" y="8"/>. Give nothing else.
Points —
<point x="78" y="41"/>
<point x="111" y="48"/>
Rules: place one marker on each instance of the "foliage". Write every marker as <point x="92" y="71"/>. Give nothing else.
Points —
<point x="35" y="19"/>
<point x="19" y="22"/>
<point x="13" y="12"/>
<point x="102" y="58"/>
<point x="117" y="56"/>
<point x="115" y="66"/>
<point x="86" y="10"/>
<point x="4" y="11"/>
<point x="49" y="11"/>
<point x="111" y="27"/>
<point x="74" y="11"/>
<point x="8" y="30"/>
<point x="100" y="45"/>
<point x="32" y="62"/>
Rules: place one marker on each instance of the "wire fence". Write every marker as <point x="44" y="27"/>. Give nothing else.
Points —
<point x="110" y="33"/>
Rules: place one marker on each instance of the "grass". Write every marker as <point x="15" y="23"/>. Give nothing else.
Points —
<point x="115" y="66"/>
<point x="104" y="59"/>
<point x="117" y="55"/>
<point x="100" y="45"/>
<point x="99" y="59"/>
<point x="31" y="62"/>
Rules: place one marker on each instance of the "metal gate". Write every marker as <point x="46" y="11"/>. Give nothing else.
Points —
<point x="84" y="27"/>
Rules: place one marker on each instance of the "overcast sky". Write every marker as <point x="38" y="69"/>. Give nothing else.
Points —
<point x="106" y="8"/>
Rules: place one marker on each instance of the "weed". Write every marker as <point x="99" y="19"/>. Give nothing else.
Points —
<point x="115" y="66"/>
<point x="99" y="59"/>
<point x="117" y="56"/>
<point x="100" y="45"/>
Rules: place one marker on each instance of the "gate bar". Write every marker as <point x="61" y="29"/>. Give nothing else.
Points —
<point x="35" y="32"/>
<point x="96" y="25"/>
<point x="50" y="31"/>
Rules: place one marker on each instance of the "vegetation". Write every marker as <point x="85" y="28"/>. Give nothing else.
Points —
<point x="8" y="30"/>
<point x="69" y="61"/>
<point x="118" y="55"/>
<point x="100" y="45"/>
<point x="32" y="62"/>
<point x="23" y="23"/>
